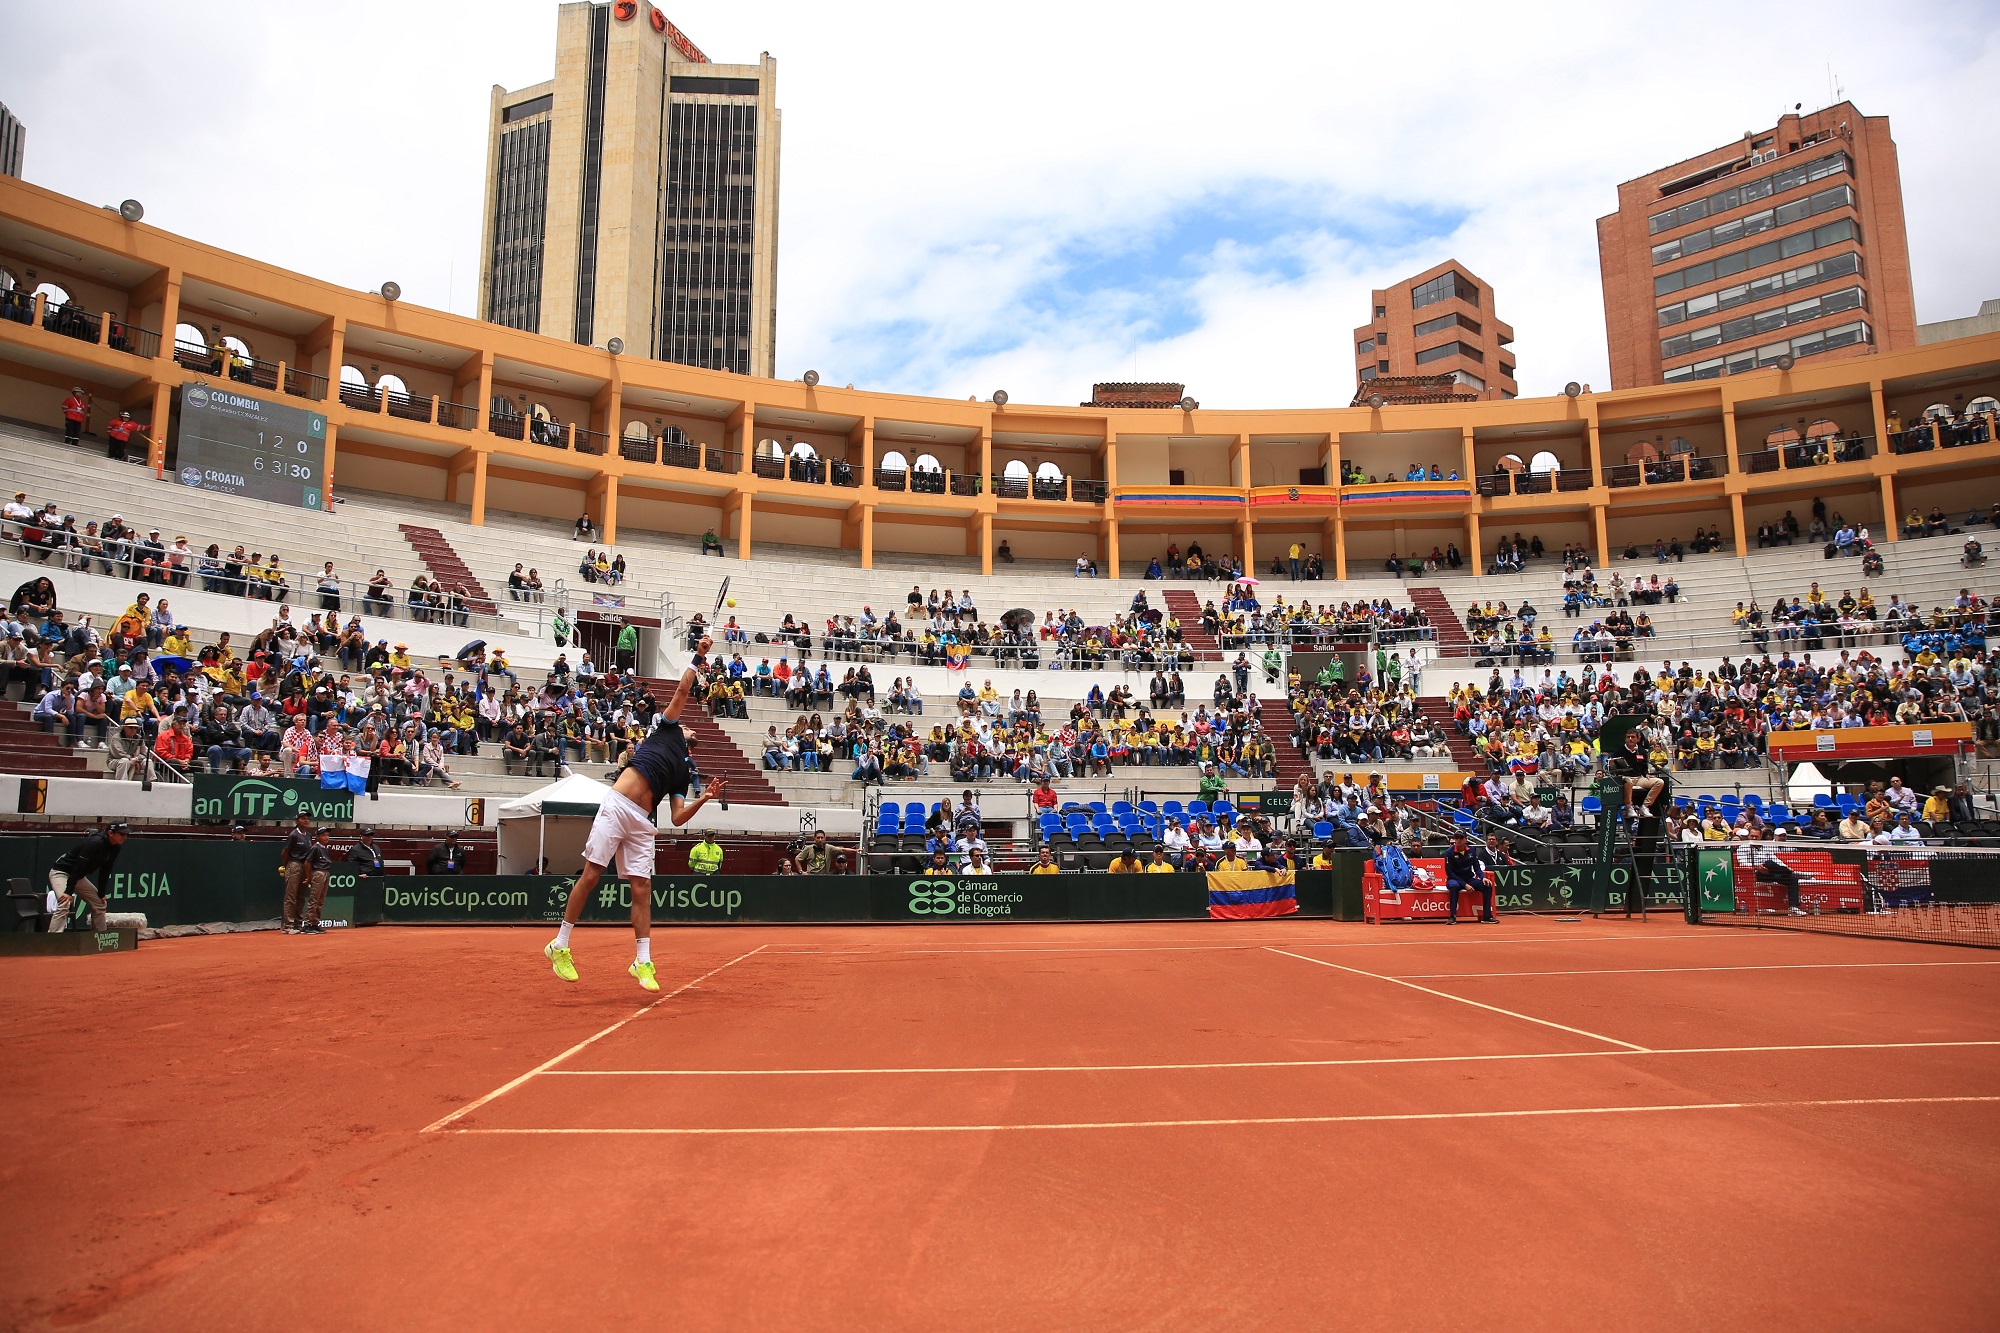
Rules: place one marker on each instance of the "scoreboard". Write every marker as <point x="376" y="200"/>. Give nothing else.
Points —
<point x="239" y="445"/>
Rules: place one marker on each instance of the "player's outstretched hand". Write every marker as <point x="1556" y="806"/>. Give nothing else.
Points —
<point x="716" y="787"/>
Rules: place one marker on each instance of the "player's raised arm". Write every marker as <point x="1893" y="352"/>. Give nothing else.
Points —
<point x="686" y="687"/>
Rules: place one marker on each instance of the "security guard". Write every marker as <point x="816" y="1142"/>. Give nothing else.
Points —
<point x="365" y="854"/>
<point x="705" y="857"/>
<point x="296" y="863"/>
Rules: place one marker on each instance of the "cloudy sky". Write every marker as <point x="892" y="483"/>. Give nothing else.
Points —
<point x="1035" y="196"/>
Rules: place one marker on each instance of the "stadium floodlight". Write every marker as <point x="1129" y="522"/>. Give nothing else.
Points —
<point x="1786" y="361"/>
<point x="615" y="346"/>
<point x="811" y="377"/>
<point x="131" y="210"/>
<point x="391" y="291"/>
<point x="1572" y="389"/>
<point x="1189" y="404"/>
<point x="999" y="398"/>
<point x="1376" y="400"/>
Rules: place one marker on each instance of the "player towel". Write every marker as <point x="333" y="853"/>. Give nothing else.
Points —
<point x="1236" y="894"/>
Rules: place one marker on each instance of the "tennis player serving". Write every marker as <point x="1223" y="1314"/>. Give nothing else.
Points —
<point x="623" y="830"/>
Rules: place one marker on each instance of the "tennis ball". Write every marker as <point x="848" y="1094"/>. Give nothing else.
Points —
<point x="730" y="602"/>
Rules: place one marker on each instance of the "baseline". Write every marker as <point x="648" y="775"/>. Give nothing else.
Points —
<point x="1447" y="995"/>
<point x="1733" y="967"/>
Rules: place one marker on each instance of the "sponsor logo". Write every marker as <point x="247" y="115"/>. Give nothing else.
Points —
<point x="195" y="396"/>
<point x="190" y="475"/>
<point x="107" y="941"/>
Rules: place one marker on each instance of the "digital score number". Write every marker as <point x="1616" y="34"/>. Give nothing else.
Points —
<point x="239" y="445"/>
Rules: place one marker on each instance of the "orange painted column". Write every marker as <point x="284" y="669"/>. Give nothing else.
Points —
<point x="1891" y="529"/>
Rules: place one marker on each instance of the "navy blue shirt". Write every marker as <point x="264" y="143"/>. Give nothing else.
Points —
<point x="662" y="760"/>
<point x="1466" y="867"/>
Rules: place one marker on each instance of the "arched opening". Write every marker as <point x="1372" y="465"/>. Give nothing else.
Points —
<point x="769" y="449"/>
<point x="1642" y="452"/>
<point x="1015" y="470"/>
<point x="803" y="450"/>
<point x="1781" y="437"/>
<point x="1049" y="482"/>
<point x="1511" y="462"/>
<point x="352" y="375"/>
<point x="805" y="464"/>
<point x="1824" y="429"/>
<point x="56" y="295"/>
<point x="190" y="337"/>
<point x="1982" y="405"/>
<point x="893" y="461"/>
<point x="238" y="346"/>
<point x="1938" y="412"/>
<point x="393" y="384"/>
<point x="8" y="282"/>
<point x="1015" y="479"/>
<point x="1545" y="462"/>
<point x="927" y="463"/>
<point x="636" y="430"/>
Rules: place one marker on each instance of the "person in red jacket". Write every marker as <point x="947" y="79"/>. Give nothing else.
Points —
<point x="76" y="411"/>
<point x="119" y="431"/>
<point x="175" y="745"/>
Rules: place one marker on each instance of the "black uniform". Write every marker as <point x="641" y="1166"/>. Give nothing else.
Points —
<point x="90" y="860"/>
<point x="366" y="855"/>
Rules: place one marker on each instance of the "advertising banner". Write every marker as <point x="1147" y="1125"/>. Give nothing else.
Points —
<point x="260" y="800"/>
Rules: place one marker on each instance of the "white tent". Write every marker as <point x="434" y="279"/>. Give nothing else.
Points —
<point x="552" y="823"/>
<point x="1806" y="781"/>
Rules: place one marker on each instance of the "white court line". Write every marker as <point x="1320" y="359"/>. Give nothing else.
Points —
<point x="1266" y="1120"/>
<point x="1738" y="967"/>
<point x="546" y="1065"/>
<point x="1261" y="1064"/>
<point x="1307" y="943"/>
<point x="1491" y="1008"/>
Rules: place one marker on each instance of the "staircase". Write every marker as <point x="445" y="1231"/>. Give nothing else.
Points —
<point x="716" y="753"/>
<point x="26" y="749"/>
<point x="1437" y="710"/>
<point x="1452" y="639"/>
<point x="435" y="550"/>
<point x="1187" y="609"/>
<point x="1275" y="716"/>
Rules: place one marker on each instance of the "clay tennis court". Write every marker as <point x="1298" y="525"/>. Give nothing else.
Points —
<point x="1177" y="1125"/>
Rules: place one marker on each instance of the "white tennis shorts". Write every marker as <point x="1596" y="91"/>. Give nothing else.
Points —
<point x="622" y="832"/>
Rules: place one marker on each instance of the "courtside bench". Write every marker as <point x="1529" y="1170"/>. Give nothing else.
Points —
<point x="1824" y="884"/>
<point x="1420" y="902"/>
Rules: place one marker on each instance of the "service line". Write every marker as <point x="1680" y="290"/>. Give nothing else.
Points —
<point x="1262" y="1064"/>
<point x="548" y="1065"/>
<point x="1403" y="1117"/>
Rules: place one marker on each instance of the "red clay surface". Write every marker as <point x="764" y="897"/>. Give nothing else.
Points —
<point x="1135" y="1126"/>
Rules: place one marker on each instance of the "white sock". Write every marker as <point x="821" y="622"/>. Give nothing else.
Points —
<point x="562" y="935"/>
<point x="646" y="950"/>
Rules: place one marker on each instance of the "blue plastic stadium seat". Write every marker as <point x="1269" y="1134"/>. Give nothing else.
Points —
<point x="1172" y="808"/>
<point x="1778" y="814"/>
<point x="1590" y="805"/>
<point x="1150" y="808"/>
<point x="1197" y="807"/>
<point x="1223" y="808"/>
<point x="1122" y="807"/>
<point x="1097" y="808"/>
<point x="1323" y="830"/>
<point x="913" y="821"/>
<point x="1822" y="801"/>
<point x="1754" y="801"/>
<point x="1049" y="823"/>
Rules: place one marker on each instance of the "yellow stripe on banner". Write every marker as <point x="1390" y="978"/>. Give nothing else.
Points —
<point x="1237" y="881"/>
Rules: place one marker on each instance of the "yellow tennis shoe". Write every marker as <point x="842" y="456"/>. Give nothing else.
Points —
<point x="644" y="973"/>
<point x="564" y="965"/>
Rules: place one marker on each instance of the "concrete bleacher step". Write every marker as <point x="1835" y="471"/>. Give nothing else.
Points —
<point x="438" y="556"/>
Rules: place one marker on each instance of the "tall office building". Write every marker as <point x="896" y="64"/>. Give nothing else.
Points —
<point x="635" y="196"/>
<point x="1441" y="322"/>
<point x="13" y="143"/>
<point x="1790" y="240"/>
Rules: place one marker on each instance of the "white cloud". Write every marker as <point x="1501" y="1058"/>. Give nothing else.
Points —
<point x="944" y="166"/>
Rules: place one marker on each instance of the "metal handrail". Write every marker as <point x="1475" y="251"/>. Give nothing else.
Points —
<point x="586" y="441"/>
<point x="457" y="416"/>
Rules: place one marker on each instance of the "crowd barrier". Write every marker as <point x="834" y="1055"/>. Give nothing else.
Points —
<point x="197" y="881"/>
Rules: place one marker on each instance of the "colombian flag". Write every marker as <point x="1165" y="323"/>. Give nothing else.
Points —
<point x="1234" y="895"/>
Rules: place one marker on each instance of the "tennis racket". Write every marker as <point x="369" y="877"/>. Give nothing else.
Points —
<point x="721" y="595"/>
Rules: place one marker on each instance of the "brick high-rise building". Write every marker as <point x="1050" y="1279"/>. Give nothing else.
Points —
<point x="635" y="196"/>
<point x="1790" y="240"/>
<point x="1441" y="322"/>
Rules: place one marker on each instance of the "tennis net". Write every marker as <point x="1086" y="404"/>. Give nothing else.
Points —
<point x="1931" y="895"/>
